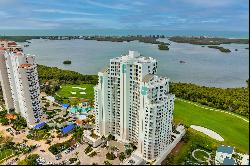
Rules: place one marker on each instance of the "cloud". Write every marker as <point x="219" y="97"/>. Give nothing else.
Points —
<point x="213" y="21"/>
<point x="59" y="11"/>
<point x="117" y="6"/>
<point x="140" y="14"/>
<point x="210" y="3"/>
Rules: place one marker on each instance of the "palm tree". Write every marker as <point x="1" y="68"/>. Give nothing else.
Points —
<point x="76" y="153"/>
<point x="25" y="141"/>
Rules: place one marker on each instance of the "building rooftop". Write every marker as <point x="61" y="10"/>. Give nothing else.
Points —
<point x="12" y="43"/>
<point x="148" y="77"/>
<point x="68" y="128"/>
<point x="39" y="125"/>
<point x="133" y="56"/>
<point x="25" y="65"/>
<point x="134" y="160"/>
<point x="228" y="161"/>
<point x="225" y="149"/>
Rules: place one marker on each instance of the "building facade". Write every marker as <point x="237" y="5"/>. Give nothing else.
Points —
<point x="134" y="104"/>
<point x="19" y="81"/>
<point x="11" y="46"/>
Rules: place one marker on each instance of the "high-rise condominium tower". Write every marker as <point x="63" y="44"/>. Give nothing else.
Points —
<point x="19" y="81"/>
<point x="134" y="104"/>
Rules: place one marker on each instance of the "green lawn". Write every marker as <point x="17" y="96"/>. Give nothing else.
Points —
<point x="66" y="90"/>
<point x="5" y="153"/>
<point x="65" y="93"/>
<point x="234" y="130"/>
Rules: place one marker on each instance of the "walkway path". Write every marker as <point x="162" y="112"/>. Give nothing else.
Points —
<point x="212" y="109"/>
<point x="207" y="159"/>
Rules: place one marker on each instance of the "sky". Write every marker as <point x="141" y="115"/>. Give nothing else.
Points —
<point x="210" y="15"/>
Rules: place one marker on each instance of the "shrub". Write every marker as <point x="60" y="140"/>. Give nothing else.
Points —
<point x="122" y="156"/>
<point x="30" y="160"/>
<point x="111" y="137"/>
<point x="107" y="162"/>
<point x="92" y="154"/>
<point x="72" y="160"/>
<point x="110" y="156"/>
<point x="128" y="151"/>
<point x="88" y="149"/>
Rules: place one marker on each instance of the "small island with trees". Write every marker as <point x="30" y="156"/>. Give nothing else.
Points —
<point x="67" y="62"/>
<point x="163" y="46"/>
<point x="203" y="40"/>
<point x="222" y="49"/>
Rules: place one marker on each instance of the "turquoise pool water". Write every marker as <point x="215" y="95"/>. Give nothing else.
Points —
<point x="80" y="110"/>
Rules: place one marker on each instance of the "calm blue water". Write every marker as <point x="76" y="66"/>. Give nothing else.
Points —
<point x="204" y="66"/>
<point x="62" y="32"/>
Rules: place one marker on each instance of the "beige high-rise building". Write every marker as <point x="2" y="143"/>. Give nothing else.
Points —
<point x="19" y="81"/>
<point x="134" y="104"/>
<point x="5" y="81"/>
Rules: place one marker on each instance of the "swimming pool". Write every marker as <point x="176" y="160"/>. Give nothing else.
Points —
<point x="80" y="110"/>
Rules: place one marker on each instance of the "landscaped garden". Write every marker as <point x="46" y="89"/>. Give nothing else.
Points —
<point x="30" y="160"/>
<point x="234" y="130"/>
<point x="201" y="154"/>
<point x="59" y="147"/>
<point x="4" y="153"/>
<point x="40" y="134"/>
<point x="182" y="153"/>
<point x="7" y="150"/>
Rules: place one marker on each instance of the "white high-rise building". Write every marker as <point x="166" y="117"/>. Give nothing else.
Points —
<point x="20" y="85"/>
<point x="135" y="105"/>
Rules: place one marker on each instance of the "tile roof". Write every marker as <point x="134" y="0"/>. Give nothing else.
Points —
<point x="12" y="43"/>
<point x="25" y="65"/>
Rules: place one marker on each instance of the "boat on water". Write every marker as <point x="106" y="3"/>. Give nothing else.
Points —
<point x="182" y="61"/>
<point x="26" y="45"/>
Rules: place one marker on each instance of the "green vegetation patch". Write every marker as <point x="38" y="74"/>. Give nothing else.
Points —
<point x="64" y="76"/>
<point x="222" y="49"/>
<point x="4" y="153"/>
<point x="30" y="160"/>
<point x="59" y="147"/>
<point x="201" y="155"/>
<point x="40" y="134"/>
<point x="234" y="130"/>
<point x="191" y="141"/>
<point x="231" y="99"/>
<point x="207" y="40"/>
<point x="163" y="46"/>
<point x="68" y="92"/>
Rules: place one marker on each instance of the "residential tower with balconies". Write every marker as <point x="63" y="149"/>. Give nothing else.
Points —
<point x="134" y="104"/>
<point x="19" y="80"/>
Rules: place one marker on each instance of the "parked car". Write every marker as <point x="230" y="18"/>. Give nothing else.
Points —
<point x="58" y="157"/>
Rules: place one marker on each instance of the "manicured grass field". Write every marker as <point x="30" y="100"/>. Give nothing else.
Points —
<point x="66" y="90"/>
<point x="234" y="130"/>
